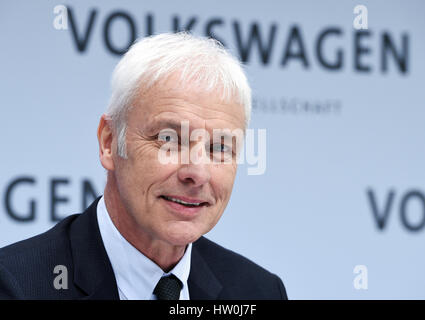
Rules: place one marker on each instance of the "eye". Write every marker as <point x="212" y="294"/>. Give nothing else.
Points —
<point x="167" y="137"/>
<point x="218" y="147"/>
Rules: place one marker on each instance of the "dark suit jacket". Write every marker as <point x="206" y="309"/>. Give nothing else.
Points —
<point x="26" y="267"/>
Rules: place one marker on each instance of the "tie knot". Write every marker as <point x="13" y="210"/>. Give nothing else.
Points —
<point x="168" y="288"/>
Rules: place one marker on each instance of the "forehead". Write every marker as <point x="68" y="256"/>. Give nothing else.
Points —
<point x="170" y="101"/>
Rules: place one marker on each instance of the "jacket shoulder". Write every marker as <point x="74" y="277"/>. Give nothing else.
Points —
<point x="241" y="277"/>
<point x="27" y="267"/>
<point x="54" y="236"/>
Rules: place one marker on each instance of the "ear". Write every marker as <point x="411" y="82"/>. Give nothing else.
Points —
<point x="104" y="136"/>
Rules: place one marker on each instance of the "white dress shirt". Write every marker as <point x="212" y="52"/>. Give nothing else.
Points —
<point x="136" y="275"/>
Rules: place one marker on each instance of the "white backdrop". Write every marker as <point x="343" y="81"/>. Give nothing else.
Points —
<point x="344" y="184"/>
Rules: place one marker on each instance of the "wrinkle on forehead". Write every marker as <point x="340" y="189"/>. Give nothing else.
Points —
<point x="178" y="82"/>
<point x="189" y="103"/>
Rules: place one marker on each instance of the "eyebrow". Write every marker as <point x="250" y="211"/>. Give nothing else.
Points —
<point x="169" y="124"/>
<point x="176" y="125"/>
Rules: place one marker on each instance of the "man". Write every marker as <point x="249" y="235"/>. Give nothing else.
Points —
<point x="144" y="238"/>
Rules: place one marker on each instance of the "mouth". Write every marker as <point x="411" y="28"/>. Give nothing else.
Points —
<point x="186" y="202"/>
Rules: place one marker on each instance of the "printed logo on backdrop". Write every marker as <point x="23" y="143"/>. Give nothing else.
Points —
<point x="23" y="206"/>
<point x="389" y="47"/>
<point x="257" y="42"/>
<point x="405" y="208"/>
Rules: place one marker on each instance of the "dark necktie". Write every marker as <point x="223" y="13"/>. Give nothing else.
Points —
<point x="168" y="288"/>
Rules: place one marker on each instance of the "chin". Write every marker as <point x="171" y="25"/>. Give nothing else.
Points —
<point x="182" y="236"/>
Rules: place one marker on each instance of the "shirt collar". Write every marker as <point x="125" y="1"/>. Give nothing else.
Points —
<point x="136" y="275"/>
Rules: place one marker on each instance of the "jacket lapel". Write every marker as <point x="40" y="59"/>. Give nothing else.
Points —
<point x="203" y="284"/>
<point x="93" y="272"/>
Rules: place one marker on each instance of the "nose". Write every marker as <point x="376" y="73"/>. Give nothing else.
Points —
<point x="197" y="171"/>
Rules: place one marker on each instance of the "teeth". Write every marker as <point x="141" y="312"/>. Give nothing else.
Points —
<point x="182" y="202"/>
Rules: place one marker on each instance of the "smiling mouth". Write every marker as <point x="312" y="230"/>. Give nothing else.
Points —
<point x="185" y="203"/>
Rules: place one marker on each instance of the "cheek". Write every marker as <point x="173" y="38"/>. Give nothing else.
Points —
<point x="150" y="176"/>
<point x="144" y="162"/>
<point x="222" y="181"/>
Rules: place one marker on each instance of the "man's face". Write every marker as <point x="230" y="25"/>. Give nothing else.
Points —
<point x="146" y="186"/>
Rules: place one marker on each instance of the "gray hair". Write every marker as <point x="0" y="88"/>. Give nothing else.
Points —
<point x="154" y="58"/>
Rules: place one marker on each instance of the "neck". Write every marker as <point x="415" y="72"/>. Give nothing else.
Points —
<point x="166" y="256"/>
